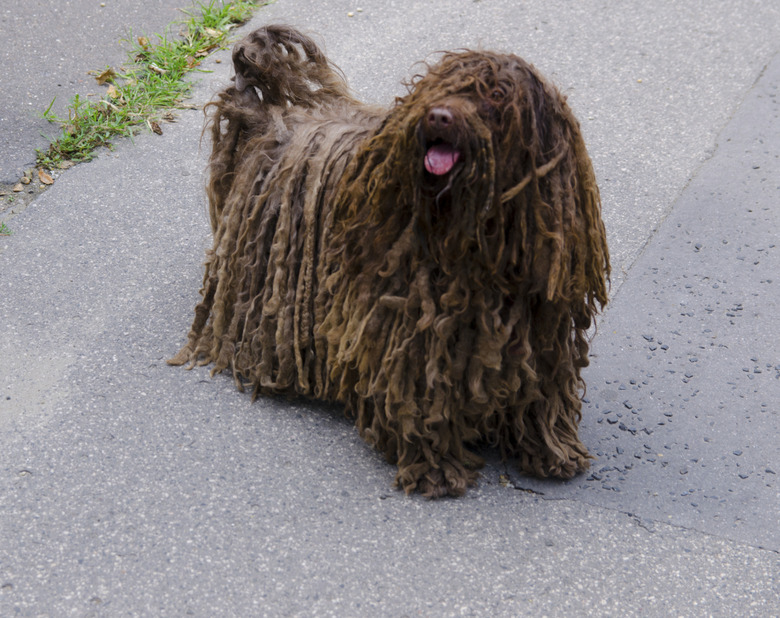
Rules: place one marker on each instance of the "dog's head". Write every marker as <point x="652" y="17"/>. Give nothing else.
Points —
<point x="474" y="105"/>
<point x="488" y="160"/>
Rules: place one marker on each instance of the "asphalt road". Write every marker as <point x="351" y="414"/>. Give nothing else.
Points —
<point x="130" y="487"/>
<point x="47" y="51"/>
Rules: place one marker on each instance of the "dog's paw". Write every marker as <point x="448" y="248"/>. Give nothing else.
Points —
<point x="559" y="463"/>
<point x="449" y="478"/>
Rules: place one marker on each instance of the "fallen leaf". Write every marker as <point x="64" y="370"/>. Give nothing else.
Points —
<point x="106" y="76"/>
<point x="192" y="62"/>
<point x="45" y="178"/>
<point x="143" y="42"/>
<point x="25" y="180"/>
<point x="18" y="188"/>
<point x="169" y="117"/>
<point x="214" y="34"/>
<point x="154" y="126"/>
<point x="66" y="165"/>
<point x="112" y="91"/>
<point x="206" y="50"/>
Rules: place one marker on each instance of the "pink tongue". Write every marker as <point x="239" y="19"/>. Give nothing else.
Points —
<point x="440" y="158"/>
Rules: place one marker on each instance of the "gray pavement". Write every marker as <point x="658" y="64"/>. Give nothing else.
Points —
<point x="129" y="487"/>
<point x="47" y="50"/>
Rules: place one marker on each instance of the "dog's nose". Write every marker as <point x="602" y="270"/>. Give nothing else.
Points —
<point x="439" y="118"/>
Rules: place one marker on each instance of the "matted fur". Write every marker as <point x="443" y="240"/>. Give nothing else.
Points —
<point x="442" y="310"/>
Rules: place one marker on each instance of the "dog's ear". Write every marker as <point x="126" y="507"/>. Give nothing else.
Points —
<point x="596" y="255"/>
<point x="538" y="102"/>
<point x="569" y="254"/>
<point x="584" y="259"/>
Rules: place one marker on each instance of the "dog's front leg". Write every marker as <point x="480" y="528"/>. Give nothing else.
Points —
<point x="550" y="444"/>
<point x="430" y="455"/>
<point x="434" y="474"/>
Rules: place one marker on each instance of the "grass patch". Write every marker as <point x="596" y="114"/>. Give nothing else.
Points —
<point x="142" y="93"/>
<point x="4" y="230"/>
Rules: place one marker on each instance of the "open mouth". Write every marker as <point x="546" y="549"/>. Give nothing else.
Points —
<point x="441" y="157"/>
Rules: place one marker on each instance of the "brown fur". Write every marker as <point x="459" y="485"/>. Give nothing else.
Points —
<point x="443" y="311"/>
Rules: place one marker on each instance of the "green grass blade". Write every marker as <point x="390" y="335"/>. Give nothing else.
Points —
<point x="151" y="83"/>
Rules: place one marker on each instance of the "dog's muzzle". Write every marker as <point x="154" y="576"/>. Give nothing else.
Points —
<point x="441" y="154"/>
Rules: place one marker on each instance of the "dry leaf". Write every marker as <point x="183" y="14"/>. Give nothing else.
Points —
<point x="169" y="117"/>
<point x="112" y="91"/>
<point x="206" y="50"/>
<point x="154" y="126"/>
<point x="66" y="165"/>
<point x="192" y="62"/>
<point x="18" y="188"/>
<point x="214" y="34"/>
<point x="106" y="76"/>
<point x="143" y="42"/>
<point x="45" y="178"/>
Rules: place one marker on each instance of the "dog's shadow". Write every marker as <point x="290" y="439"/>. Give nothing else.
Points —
<point x="328" y="445"/>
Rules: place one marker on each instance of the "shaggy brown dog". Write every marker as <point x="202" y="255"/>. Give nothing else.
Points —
<point x="433" y="266"/>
